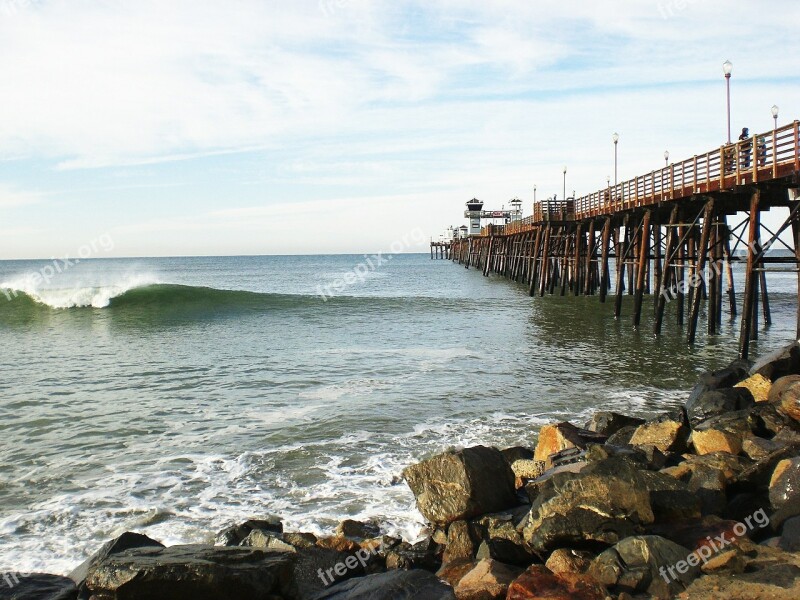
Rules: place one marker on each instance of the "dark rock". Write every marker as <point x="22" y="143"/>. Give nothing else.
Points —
<point x="670" y="498"/>
<point x="622" y="437"/>
<point x="504" y="551"/>
<point x="607" y="501"/>
<point x="784" y="489"/>
<point x="500" y="537"/>
<point x="462" y="484"/>
<point x="233" y="536"/>
<point x="724" y="378"/>
<point x="718" y="402"/>
<point x="785" y="396"/>
<point x="459" y="542"/>
<point x="785" y="361"/>
<point x="126" y="541"/>
<point x="192" y="572"/>
<point x="790" y="536"/>
<point x="757" y="476"/>
<point x="36" y="586"/>
<point x="393" y="585"/>
<point x="641" y="457"/>
<point x="300" y="539"/>
<point x="452" y="572"/>
<point x="358" y="530"/>
<point x="258" y="538"/>
<point x="426" y="555"/>
<point x="316" y="569"/>
<point x="709" y="476"/>
<point x="766" y="421"/>
<point x="637" y="564"/>
<point x="538" y="583"/>
<point x="517" y="453"/>
<point x="608" y="423"/>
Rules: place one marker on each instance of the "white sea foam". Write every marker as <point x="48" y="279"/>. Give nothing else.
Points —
<point x="77" y="294"/>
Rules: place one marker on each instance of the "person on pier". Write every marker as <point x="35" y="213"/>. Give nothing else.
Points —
<point x="746" y="146"/>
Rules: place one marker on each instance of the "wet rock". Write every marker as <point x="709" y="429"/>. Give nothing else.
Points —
<point x="393" y="585"/>
<point x="731" y="560"/>
<point x="423" y="555"/>
<point x="517" y="453"/>
<point x="668" y="433"/>
<point x="566" y="560"/>
<point x="192" y="572"/>
<point x="708" y="477"/>
<point x="538" y="583"/>
<point x="501" y="538"/>
<point x="785" y="396"/>
<point x="785" y="361"/>
<point x="608" y="423"/>
<point x="607" y="501"/>
<point x="233" y="536"/>
<point x="452" y="572"/>
<point x="790" y="536"/>
<point x="784" y="485"/>
<point x="562" y="436"/>
<point x="338" y="543"/>
<point x="300" y="539"/>
<point x="737" y="371"/>
<point x="648" y="563"/>
<point x="462" y="484"/>
<point x="707" y="441"/>
<point x="718" y="402"/>
<point x="488" y="580"/>
<point x="670" y="498"/>
<point x="357" y="530"/>
<point x="258" y="538"/>
<point x="459" y="542"/>
<point x="757" y="448"/>
<point x="622" y="437"/>
<point x="36" y="586"/>
<point x="758" y="385"/>
<point x="316" y="569"/>
<point x="126" y="541"/>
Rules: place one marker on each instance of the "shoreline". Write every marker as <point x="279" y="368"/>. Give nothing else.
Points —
<point x="698" y="502"/>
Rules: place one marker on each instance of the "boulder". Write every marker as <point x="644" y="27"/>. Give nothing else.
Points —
<point x="785" y="396"/>
<point x="757" y="448"/>
<point x="338" y="543"/>
<point x="524" y="470"/>
<point x="393" y="585"/>
<point x="500" y="537"/>
<point x="488" y="580"/>
<point x="36" y="586"/>
<point x="459" y="542"/>
<point x="126" y="541"/>
<point x="562" y="436"/>
<point x="737" y="371"/>
<point x="645" y="564"/>
<point x="426" y="554"/>
<point x="670" y="498"/>
<point x="607" y="501"/>
<point x="784" y="485"/>
<point x="696" y="534"/>
<point x="316" y="569"/>
<point x="462" y="484"/>
<point x="517" y="453"/>
<point x="668" y="433"/>
<point x="452" y="572"/>
<point x="790" y="536"/>
<point x="706" y="441"/>
<point x="758" y="385"/>
<point x="357" y="530"/>
<point x="192" y="572"/>
<point x="608" y="423"/>
<point x="300" y="539"/>
<point x="718" y="402"/>
<point x="233" y="536"/>
<point x="566" y="560"/>
<point x="538" y="583"/>
<point x="708" y="477"/>
<point x="622" y="437"/>
<point x="732" y="561"/>
<point x="258" y="538"/>
<point x="785" y="361"/>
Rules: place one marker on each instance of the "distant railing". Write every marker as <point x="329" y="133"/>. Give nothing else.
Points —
<point x="554" y="210"/>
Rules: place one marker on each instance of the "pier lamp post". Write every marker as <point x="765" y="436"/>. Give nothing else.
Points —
<point x="615" y="139"/>
<point x="727" y="67"/>
<point x="534" y="193"/>
<point x="565" y="183"/>
<point x="666" y="158"/>
<point x="775" y="114"/>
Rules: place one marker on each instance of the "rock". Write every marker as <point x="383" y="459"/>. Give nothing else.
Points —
<point x="393" y="585"/>
<point x="758" y="385"/>
<point x="622" y="437"/>
<point x="785" y="396"/>
<point x="647" y="563"/>
<point x="718" y="402"/>
<point x="707" y="441"/>
<point x="422" y="555"/>
<point x="785" y="361"/>
<point x="668" y="433"/>
<point x="192" y="572"/>
<point x="607" y="501"/>
<point x="565" y="560"/>
<point x="516" y="453"/>
<point x="233" y="536"/>
<point x="730" y="560"/>
<point x="608" y="423"/>
<point x="696" y="534"/>
<point x="670" y="499"/>
<point x="338" y="543"/>
<point x="757" y="448"/>
<point x="126" y="541"/>
<point x="525" y="470"/>
<point x="537" y="583"/>
<point x="357" y="530"/>
<point x="299" y="539"/>
<point x="790" y="536"/>
<point x="561" y="436"/>
<point x="500" y="538"/>
<point x="36" y="586"/>
<point x="462" y="484"/>
<point x="724" y="378"/>
<point x="708" y="477"/>
<point x="489" y="580"/>
<point x="784" y="485"/>
<point x="452" y="572"/>
<point x="258" y="538"/>
<point x="459" y="542"/>
<point x="316" y="569"/>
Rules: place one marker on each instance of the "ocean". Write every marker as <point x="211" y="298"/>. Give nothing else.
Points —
<point x="177" y="396"/>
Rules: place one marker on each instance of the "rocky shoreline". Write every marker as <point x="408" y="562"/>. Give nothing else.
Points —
<point x="699" y="502"/>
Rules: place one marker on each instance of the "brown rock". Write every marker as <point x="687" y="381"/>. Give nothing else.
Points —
<point x="566" y="560"/>
<point x="716" y="440"/>
<point x="785" y="395"/>
<point x="489" y="580"/>
<point x="538" y="583"/>
<point x="758" y="385"/>
<point x="730" y="560"/>
<point x="560" y="436"/>
<point x="338" y="543"/>
<point x="525" y="470"/>
<point x="453" y="571"/>
<point x="459" y="542"/>
<point x="668" y="435"/>
<point x="758" y="448"/>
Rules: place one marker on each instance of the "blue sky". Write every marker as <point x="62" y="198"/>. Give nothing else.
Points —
<point x="241" y="127"/>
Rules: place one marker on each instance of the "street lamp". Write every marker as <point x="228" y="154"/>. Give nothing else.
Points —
<point x="534" y="193"/>
<point x="565" y="183"/>
<point x="727" y="67"/>
<point x="775" y="114"/>
<point x="666" y="158"/>
<point x="615" y="139"/>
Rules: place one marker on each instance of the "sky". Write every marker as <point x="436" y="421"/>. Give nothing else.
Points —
<point x="193" y="127"/>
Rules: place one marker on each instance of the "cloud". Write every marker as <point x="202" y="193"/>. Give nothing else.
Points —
<point x="12" y="198"/>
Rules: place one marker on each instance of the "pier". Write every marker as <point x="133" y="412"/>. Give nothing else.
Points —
<point x="671" y="234"/>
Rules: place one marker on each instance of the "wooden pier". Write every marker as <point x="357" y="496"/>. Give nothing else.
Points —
<point x="671" y="234"/>
<point x="441" y="250"/>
